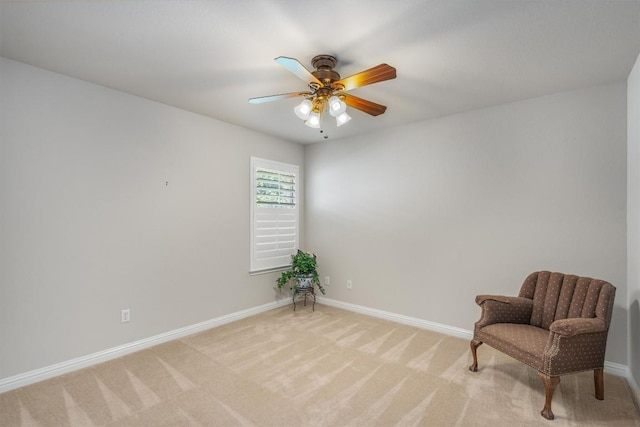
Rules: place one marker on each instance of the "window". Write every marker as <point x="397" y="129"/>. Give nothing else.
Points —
<point x="274" y="214"/>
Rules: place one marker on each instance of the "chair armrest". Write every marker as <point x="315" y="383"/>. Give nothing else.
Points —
<point x="574" y="345"/>
<point x="577" y="326"/>
<point x="480" y="299"/>
<point x="503" y="309"/>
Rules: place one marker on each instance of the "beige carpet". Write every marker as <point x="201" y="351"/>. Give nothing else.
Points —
<point x="324" y="368"/>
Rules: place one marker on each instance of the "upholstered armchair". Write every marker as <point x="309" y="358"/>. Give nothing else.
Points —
<point x="557" y="324"/>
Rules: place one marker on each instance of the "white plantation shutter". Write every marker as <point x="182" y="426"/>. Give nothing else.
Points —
<point x="274" y="213"/>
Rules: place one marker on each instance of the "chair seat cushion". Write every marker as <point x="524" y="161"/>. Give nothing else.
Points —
<point x="525" y="343"/>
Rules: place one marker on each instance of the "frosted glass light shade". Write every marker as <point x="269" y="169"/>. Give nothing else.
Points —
<point x="303" y="109"/>
<point x="342" y="119"/>
<point x="336" y="106"/>
<point x="313" y="121"/>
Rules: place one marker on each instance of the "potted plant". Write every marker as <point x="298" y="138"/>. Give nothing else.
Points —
<point x="303" y="271"/>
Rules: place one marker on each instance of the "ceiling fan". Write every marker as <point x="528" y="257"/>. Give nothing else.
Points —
<point x="326" y="87"/>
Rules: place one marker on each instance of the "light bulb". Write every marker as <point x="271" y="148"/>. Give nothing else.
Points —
<point x="336" y="106"/>
<point x="342" y="119"/>
<point x="303" y="109"/>
<point x="313" y="121"/>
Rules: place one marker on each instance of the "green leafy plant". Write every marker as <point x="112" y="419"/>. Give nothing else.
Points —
<point x="303" y="265"/>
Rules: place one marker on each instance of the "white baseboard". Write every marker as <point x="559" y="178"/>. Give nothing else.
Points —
<point x="31" y="377"/>
<point x="399" y="318"/>
<point x="616" y="369"/>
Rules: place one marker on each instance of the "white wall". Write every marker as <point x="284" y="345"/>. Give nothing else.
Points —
<point x="109" y="201"/>
<point x="633" y="217"/>
<point x="424" y="217"/>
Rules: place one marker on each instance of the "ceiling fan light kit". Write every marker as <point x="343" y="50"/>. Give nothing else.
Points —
<point x="327" y="90"/>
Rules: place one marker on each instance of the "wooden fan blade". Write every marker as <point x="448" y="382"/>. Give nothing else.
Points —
<point x="379" y="73"/>
<point x="298" y="69"/>
<point x="364" y="105"/>
<point x="261" y="99"/>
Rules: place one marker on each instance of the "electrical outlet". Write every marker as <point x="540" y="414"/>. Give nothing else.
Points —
<point x="326" y="280"/>
<point x="125" y="315"/>
<point x="349" y="284"/>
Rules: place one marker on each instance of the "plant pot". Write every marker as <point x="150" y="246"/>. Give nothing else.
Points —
<point x="303" y="283"/>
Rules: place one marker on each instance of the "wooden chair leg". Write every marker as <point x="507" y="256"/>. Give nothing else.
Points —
<point x="598" y="380"/>
<point x="550" y="384"/>
<point x="474" y="347"/>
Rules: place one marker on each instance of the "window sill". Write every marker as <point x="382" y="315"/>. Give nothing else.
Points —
<point x="269" y="270"/>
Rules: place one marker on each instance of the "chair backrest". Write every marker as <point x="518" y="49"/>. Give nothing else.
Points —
<point x="565" y="296"/>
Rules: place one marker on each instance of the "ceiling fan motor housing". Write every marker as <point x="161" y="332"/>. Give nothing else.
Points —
<point x="324" y="65"/>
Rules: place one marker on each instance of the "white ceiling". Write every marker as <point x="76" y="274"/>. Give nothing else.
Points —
<point x="209" y="57"/>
